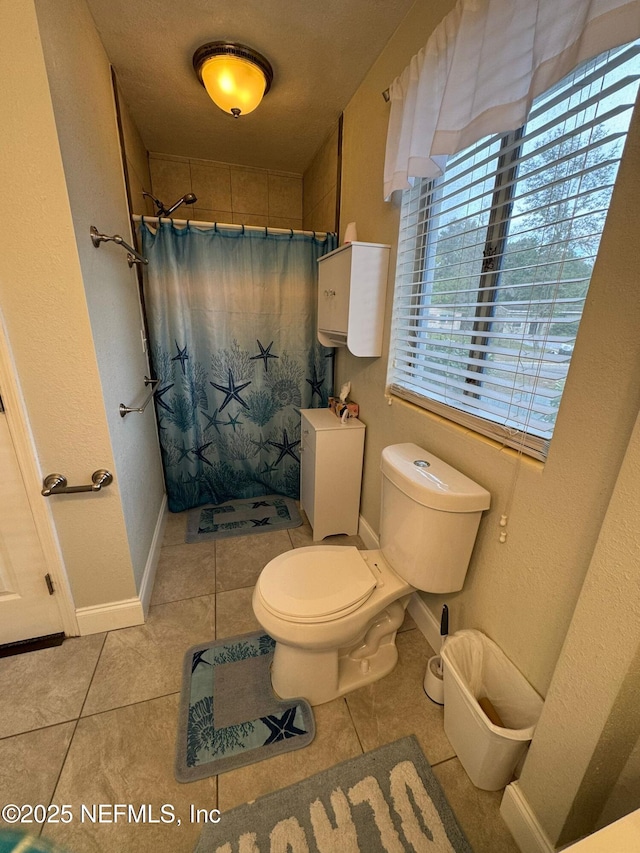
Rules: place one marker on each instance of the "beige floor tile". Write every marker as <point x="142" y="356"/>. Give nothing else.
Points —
<point x="302" y="535"/>
<point x="30" y="764"/>
<point x="146" y="661"/>
<point x="240" y="559"/>
<point x="175" y="528"/>
<point x="234" y="614"/>
<point x="335" y="741"/>
<point x="46" y="687"/>
<point x="478" y="812"/>
<point x="185" y="571"/>
<point x="397" y="705"/>
<point x="126" y="756"/>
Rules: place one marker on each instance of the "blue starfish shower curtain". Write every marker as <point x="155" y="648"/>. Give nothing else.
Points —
<point x="232" y="321"/>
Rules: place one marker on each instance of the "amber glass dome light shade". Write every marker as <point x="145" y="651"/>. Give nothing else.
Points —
<point x="235" y="76"/>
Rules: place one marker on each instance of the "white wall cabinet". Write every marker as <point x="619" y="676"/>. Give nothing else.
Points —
<point x="352" y="288"/>
<point x="331" y="472"/>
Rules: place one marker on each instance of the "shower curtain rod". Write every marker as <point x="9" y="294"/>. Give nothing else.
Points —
<point x="137" y="217"/>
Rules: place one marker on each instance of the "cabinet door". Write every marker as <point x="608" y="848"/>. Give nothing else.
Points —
<point x="325" y="302"/>
<point x="333" y="292"/>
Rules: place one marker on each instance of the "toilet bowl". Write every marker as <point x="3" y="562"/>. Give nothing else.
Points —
<point x="334" y="611"/>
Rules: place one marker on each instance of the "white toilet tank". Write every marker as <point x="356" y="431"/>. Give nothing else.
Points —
<point x="428" y="519"/>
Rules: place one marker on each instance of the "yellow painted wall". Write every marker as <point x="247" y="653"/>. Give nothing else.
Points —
<point x="71" y="311"/>
<point x="521" y="593"/>
<point x="45" y="310"/>
<point x="584" y="754"/>
<point x="79" y="77"/>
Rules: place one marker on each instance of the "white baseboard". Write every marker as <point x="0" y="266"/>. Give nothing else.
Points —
<point x="149" y="576"/>
<point x="368" y="534"/>
<point x="425" y="620"/>
<point x="109" y="617"/>
<point x="522" y="822"/>
<point x="131" y="611"/>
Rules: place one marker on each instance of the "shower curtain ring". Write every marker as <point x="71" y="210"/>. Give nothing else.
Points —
<point x="266" y="231"/>
<point x="215" y="227"/>
<point x="291" y="235"/>
<point x="243" y="229"/>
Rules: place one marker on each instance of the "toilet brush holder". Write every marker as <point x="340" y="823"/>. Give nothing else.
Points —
<point x="433" y="681"/>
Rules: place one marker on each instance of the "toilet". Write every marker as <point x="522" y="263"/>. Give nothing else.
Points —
<point x="334" y="611"/>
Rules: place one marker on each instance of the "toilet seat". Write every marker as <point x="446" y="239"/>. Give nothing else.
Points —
<point x="316" y="584"/>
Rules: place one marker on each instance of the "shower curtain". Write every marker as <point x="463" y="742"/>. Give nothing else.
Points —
<point x="232" y="322"/>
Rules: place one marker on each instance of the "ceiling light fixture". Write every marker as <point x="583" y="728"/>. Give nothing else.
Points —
<point x="235" y="76"/>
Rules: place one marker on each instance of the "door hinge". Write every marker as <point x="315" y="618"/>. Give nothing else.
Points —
<point x="49" y="583"/>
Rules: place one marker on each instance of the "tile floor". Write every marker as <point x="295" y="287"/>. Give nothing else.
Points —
<point x="93" y="721"/>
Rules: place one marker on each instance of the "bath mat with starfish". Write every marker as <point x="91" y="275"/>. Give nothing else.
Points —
<point x="241" y="518"/>
<point x="229" y="714"/>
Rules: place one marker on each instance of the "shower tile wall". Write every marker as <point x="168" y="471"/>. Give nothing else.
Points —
<point x="321" y="187"/>
<point x="137" y="162"/>
<point x="232" y="193"/>
<point x="228" y="193"/>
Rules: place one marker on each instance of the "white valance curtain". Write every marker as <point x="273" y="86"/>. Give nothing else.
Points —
<point x="481" y="69"/>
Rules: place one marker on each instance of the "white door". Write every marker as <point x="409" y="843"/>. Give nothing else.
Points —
<point x="27" y="609"/>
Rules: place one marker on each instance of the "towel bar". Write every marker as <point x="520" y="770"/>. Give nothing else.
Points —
<point x="56" y="484"/>
<point x="124" y="410"/>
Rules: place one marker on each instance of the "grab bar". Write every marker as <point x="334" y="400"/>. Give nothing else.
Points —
<point x="132" y="256"/>
<point x="124" y="410"/>
<point x="56" y="484"/>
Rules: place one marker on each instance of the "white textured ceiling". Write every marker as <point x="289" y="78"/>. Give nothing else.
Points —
<point x="320" y="52"/>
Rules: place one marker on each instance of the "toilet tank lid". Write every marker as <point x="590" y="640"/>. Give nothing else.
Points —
<point x="431" y="482"/>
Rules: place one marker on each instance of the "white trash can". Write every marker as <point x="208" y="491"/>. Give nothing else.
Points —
<point x="476" y="668"/>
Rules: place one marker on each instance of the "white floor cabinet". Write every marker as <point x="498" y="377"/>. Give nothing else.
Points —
<point x="331" y="472"/>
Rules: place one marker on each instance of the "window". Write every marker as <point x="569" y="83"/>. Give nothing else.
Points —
<point x="495" y="258"/>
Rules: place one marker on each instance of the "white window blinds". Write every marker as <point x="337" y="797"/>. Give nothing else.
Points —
<point x="495" y="258"/>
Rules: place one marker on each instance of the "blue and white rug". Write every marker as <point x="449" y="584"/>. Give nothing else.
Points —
<point x="229" y="714"/>
<point x="386" y="801"/>
<point x="241" y="518"/>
